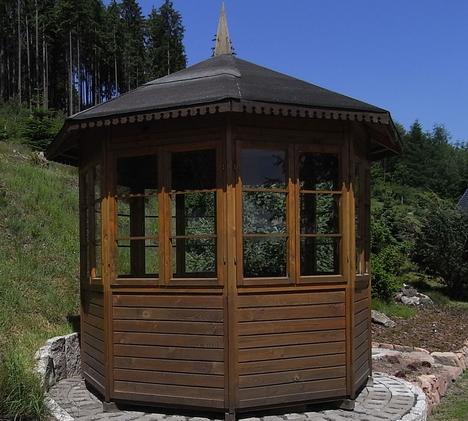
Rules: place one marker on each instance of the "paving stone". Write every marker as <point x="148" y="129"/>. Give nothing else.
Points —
<point x="388" y="399"/>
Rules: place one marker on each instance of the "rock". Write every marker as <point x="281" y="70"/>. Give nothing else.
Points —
<point x="382" y="319"/>
<point x="461" y="357"/>
<point x="410" y="301"/>
<point x="447" y="358"/>
<point x="45" y="367"/>
<point x="58" y="359"/>
<point x="419" y="358"/>
<point x="412" y="297"/>
<point x="72" y="355"/>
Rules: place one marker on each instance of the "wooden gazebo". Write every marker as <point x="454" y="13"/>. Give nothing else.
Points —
<point x="224" y="215"/>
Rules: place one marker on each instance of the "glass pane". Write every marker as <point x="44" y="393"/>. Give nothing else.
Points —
<point x="97" y="182"/>
<point x="319" y="256"/>
<point x="137" y="175"/>
<point x="319" y="213"/>
<point x="261" y="168"/>
<point x="137" y="216"/>
<point x="264" y="213"/>
<point x="137" y="258"/>
<point x="98" y="261"/>
<point x="319" y="171"/>
<point x="194" y="213"/>
<point x="265" y="257"/>
<point x="195" y="170"/>
<point x="97" y="221"/>
<point x="194" y="258"/>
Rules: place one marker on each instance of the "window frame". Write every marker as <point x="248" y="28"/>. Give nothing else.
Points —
<point x="88" y="248"/>
<point x="164" y="191"/>
<point x="340" y="151"/>
<point x="218" y="280"/>
<point x="289" y="279"/>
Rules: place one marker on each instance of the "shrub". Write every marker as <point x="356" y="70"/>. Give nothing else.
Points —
<point x="40" y="129"/>
<point x="442" y="245"/>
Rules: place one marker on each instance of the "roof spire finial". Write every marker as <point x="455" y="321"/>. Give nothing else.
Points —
<point x="222" y="40"/>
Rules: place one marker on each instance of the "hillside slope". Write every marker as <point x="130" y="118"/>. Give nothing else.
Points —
<point x="39" y="259"/>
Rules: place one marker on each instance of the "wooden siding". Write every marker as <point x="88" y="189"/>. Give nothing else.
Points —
<point x="361" y="337"/>
<point x="92" y="339"/>
<point x="292" y="347"/>
<point x="169" y="349"/>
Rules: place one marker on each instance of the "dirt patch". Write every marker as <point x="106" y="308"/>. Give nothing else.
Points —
<point x="433" y="328"/>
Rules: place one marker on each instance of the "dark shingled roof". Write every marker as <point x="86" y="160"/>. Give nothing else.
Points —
<point x="224" y="77"/>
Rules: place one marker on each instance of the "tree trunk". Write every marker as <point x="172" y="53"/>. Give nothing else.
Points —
<point x="116" y="80"/>
<point x="79" y="73"/>
<point x="70" y="74"/>
<point x="37" y="77"/>
<point x="18" y="3"/>
<point x="28" y="55"/>
<point x="45" y="88"/>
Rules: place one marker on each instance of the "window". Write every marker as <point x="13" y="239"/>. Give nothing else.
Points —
<point x="137" y="217"/>
<point x="264" y="175"/>
<point x="91" y="222"/>
<point x="193" y="207"/>
<point x="319" y="214"/>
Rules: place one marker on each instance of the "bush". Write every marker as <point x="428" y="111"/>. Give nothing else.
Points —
<point x="21" y="393"/>
<point x="41" y="128"/>
<point x="442" y="245"/>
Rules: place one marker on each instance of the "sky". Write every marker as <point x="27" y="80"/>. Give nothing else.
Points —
<point x="407" y="56"/>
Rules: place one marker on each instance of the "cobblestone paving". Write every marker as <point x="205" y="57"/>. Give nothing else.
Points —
<point x="389" y="399"/>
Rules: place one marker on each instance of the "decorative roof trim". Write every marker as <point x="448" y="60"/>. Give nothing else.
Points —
<point x="247" y="107"/>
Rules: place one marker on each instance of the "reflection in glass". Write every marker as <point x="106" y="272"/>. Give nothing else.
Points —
<point x="265" y="257"/>
<point x="195" y="170"/>
<point x="137" y="258"/>
<point x="194" y="213"/>
<point x="318" y="171"/>
<point x="143" y="211"/>
<point x="319" y="213"/>
<point x="194" y="258"/>
<point x="264" y="212"/>
<point x="319" y="256"/>
<point x="262" y="168"/>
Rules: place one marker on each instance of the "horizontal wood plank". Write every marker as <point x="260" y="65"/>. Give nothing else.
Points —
<point x="276" y="300"/>
<point x="201" y="328"/>
<point x="169" y="314"/>
<point x="166" y="352"/>
<point x="168" y="378"/>
<point x="292" y="351"/>
<point x="212" y="396"/>
<point x="196" y="341"/>
<point x="168" y="301"/>
<point x="175" y="366"/>
<point x="291" y="312"/>
<point x="292" y="388"/>
<point x="258" y="341"/>
<point x="272" y="366"/>
<point x="293" y="376"/>
<point x="285" y="326"/>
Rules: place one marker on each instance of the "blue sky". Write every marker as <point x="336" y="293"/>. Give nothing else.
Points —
<point x="408" y="56"/>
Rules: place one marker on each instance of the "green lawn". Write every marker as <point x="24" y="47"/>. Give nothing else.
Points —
<point x="454" y="406"/>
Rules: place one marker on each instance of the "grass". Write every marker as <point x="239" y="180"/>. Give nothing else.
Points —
<point x="39" y="261"/>
<point x="454" y="406"/>
<point x="392" y="309"/>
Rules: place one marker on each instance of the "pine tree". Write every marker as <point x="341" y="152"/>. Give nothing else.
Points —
<point x="133" y="54"/>
<point x="165" y="48"/>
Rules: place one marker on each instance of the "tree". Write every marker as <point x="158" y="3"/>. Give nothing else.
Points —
<point x="133" y="51"/>
<point x="166" y="52"/>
